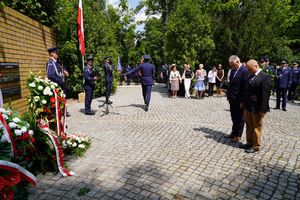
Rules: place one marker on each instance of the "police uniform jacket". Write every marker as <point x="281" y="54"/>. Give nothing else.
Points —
<point x="147" y="71"/>
<point x="54" y="72"/>
<point x="88" y="79"/>
<point x="284" y="77"/>
<point x="108" y="69"/>
<point x="295" y="75"/>
<point x="257" y="92"/>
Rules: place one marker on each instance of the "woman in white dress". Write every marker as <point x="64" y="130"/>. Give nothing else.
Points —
<point x="187" y="76"/>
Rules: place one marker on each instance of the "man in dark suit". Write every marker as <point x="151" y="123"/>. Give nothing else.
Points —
<point x="235" y="96"/>
<point x="89" y="84"/>
<point x="147" y="72"/>
<point x="283" y="83"/>
<point x="295" y="81"/>
<point x="256" y="104"/>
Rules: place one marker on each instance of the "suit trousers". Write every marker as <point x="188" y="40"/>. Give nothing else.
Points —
<point x="108" y="85"/>
<point x="88" y="98"/>
<point x="254" y="123"/>
<point x="187" y="84"/>
<point x="147" y="93"/>
<point x="292" y="91"/>
<point x="281" y="93"/>
<point x="237" y="118"/>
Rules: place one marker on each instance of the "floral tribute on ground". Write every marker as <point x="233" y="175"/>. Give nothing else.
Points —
<point x="36" y="142"/>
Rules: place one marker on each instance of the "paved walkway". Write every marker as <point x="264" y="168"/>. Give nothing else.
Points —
<point x="177" y="150"/>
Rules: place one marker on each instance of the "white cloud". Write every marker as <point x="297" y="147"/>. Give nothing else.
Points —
<point x="113" y="2"/>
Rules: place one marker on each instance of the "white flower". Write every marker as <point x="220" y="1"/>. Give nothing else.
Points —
<point x="18" y="132"/>
<point x="30" y="132"/>
<point x="44" y="101"/>
<point x="55" y="84"/>
<point x="52" y="86"/>
<point x="2" y="110"/>
<point x="32" y="84"/>
<point x="69" y="143"/>
<point x="24" y="129"/>
<point x="81" y="146"/>
<point x="4" y="116"/>
<point x="40" y="88"/>
<point x="47" y="91"/>
<point x="37" y="80"/>
<point x="3" y="139"/>
<point x="79" y="140"/>
<point x="36" y="98"/>
<point x="74" y="144"/>
<point x="16" y="119"/>
<point x="12" y="125"/>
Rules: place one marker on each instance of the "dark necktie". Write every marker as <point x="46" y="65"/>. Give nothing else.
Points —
<point x="232" y="73"/>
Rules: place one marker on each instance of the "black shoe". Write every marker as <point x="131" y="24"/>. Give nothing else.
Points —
<point x="251" y="150"/>
<point x="109" y="102"/>
<point x="276" y="108"/>
<point x="245" y="146"/>
<point x="89" y="113"/>
<point x="68" y="115"/>
<point x="146" y="107"/>
<point x="284" y="109"/>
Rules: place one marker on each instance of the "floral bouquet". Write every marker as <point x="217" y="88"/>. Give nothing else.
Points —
<point x="22" y="138"/>
<point x="42" y="100"/>
<point x="75" y="144"/>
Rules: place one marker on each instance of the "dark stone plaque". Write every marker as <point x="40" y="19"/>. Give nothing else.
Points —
<point x="10" y="81"/>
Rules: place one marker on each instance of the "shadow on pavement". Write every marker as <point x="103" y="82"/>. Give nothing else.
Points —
<point x="218" y="136"/>
<point x="142" y="106"/>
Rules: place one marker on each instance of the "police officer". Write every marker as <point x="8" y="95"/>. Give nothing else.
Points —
<point x="295" y="81"/>
<point x="283" y="82"/>
<point x="147" y="72"/>
<point x="89" y="85"/>
<point x="54" y="70"/>
<point x="108" y="70"/>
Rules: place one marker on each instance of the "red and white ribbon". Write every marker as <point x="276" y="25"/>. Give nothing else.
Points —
<point x="58" y="151"/>
<point x="13" y="167"/>
<point x="57" y="113"/>
<point x="8" y="135"/>
<point x="60" y="121"/>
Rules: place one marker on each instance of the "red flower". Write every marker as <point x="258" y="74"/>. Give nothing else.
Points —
<point x="52" y="99"/>
<point x="31" y="149"/>
<point x="32" y="140"/>
<point x="26" y="136"/>
<point x="52" y="105"/>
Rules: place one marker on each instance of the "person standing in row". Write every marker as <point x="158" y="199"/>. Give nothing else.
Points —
<point x="235" y="96"/>
<point x="108" y="70"/>
<point x="53" y="68"/>
<point x="89" y="85"/>
<point x="256" y="104"/>
<point x="283" y="82"/>
<point x="220" y="79"/>
<point x="200" y="86"/>
<point x="147" y="73"/>
<point x="295" y="81"/>
<point x="212" y="75"/>
<point x="187" y="76"/>
<point x="174" y="81"/>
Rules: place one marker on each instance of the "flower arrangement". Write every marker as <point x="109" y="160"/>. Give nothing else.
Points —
<point x="75" y="144"/>
<point x="42" y="100"/>
<point x="22" y="136"/>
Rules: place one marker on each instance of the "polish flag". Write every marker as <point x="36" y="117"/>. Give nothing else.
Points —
<point x="80" y="28"/>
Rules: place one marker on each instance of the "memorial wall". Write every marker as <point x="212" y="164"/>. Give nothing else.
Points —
<point x="23" y="49"/>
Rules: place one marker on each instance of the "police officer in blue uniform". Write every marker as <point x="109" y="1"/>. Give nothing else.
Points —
<point x="295" y="81"/>
<point x="54" y="70"/>
<point x="108" y="70"/>
<point x="147" y="72"/>
<point x="283" y="82"/>
<point x="89" y="85"/>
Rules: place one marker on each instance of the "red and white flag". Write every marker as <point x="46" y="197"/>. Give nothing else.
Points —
<point x="80" y="28"/>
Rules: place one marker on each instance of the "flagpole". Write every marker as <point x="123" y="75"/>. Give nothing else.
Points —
<point x="82" y="62"/>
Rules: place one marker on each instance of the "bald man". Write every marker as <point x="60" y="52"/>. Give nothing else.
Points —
<point x="256" y="104"/>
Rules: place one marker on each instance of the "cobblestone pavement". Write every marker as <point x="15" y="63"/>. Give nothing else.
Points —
<point x="176" y="150"/>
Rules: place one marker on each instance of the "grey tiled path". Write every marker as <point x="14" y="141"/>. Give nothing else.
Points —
<point x="177" y="150"/>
